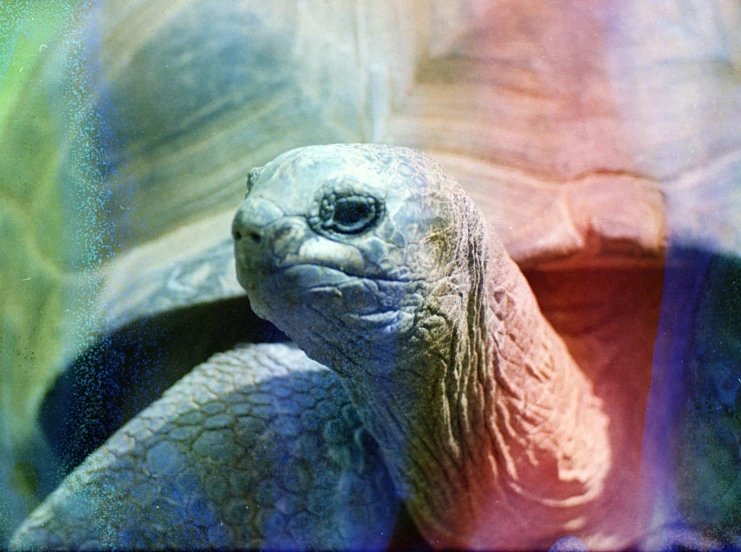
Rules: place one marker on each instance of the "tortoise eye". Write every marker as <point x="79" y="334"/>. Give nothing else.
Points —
<point x="351" y="214"/>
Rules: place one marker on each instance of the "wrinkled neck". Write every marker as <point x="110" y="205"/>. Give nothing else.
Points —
<point x="429" y="416"/>
<point x="429" y="401"/>
<point x="484" y="419"/>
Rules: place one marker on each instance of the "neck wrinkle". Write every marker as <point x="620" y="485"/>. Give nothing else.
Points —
<point x="444" y="457"/>
<point x="491" y="432"/>
<point x="505" y="429"/>
<point x="549" y="432"/>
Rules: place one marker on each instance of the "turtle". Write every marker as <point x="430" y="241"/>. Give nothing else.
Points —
<point x="241" y="452"/>
<point x="597" y="140"/>
<point x="374" y="262"/>
<point x="447" y="388"/>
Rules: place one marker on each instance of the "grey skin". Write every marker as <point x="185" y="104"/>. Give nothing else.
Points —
<point x="446" y="388"/>
<point x="258" y="447"/>
<point x="377" y="265"/>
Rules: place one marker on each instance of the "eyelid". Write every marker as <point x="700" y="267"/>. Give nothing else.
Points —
<point x="327" y="221"/>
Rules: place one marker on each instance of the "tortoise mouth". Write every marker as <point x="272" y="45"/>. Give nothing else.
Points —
<point x="311" y="276"/>
<point x="353" y="299"/>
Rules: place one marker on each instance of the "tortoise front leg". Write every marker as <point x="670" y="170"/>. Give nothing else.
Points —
<point x="257" y="447"/>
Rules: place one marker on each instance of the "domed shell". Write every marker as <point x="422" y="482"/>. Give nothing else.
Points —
<point x="576" y="158"/>
<point x="574" y="155"/>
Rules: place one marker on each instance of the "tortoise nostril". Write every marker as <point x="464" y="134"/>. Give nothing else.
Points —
<point x="253" y="235"/>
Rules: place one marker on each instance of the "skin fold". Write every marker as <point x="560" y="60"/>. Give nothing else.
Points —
<point x="379" y="267"/>
<point x="448" y="394"/>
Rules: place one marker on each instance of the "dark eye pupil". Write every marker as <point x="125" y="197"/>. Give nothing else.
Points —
<point x="350" y="215"/>
<point x="350" y="212"/>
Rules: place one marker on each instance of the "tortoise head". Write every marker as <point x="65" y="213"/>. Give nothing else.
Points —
<point x="344" y="244"/>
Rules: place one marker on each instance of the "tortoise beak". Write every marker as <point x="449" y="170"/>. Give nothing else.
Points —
<point x="252" y="217"/>
<point x="264" y="237"/>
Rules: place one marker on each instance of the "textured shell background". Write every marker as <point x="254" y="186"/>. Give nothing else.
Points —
<point x="117" y="127"/>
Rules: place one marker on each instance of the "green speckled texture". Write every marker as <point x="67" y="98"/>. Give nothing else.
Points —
<point x="51" y="226"/>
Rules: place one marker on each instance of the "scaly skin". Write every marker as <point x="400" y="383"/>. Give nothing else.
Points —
<point x="258" y="447"/>
<point x="377" y="265"/>
<point x="487" y="427"/>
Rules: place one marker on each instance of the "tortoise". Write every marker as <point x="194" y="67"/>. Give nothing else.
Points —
<point x="373" y="260"/>
<point x="557" y="137"/>
<point x="377" y="265"/>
